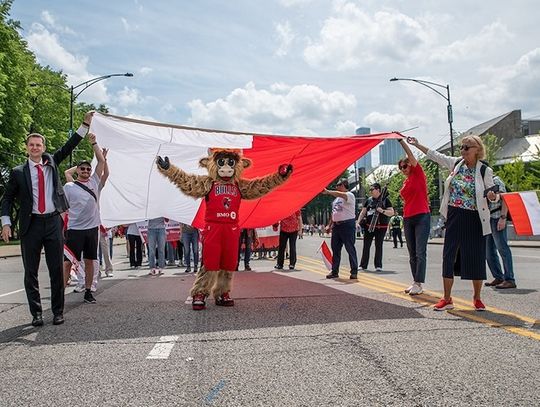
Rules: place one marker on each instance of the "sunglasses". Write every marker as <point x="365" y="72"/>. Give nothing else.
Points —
<point x="403" y="166"/>
<point x="85" y="168"/>
<point x="465" y="147"/>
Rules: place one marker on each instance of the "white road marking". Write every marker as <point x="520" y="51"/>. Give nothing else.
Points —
<point x="13" y="292"/>
<point x="163" y="348"/>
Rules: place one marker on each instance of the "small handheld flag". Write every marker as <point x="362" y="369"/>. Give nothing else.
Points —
<point x="326" y="255"/>
<point x="525" y="211"/>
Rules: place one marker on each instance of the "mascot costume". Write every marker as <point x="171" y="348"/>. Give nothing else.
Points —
<point x="223" y="189"/>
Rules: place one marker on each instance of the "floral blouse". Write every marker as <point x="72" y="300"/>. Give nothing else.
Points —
<point x="462" y="189"/>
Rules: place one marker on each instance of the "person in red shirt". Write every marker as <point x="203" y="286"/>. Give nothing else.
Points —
<point x="416" y="216"/>
<point x="291" y="227"/>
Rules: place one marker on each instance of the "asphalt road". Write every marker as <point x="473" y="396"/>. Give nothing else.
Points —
<point x="293" y="339"/>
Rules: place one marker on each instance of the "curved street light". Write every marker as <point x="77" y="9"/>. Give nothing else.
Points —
<point x="73" y="96"/>
<point x="449" y="113"/>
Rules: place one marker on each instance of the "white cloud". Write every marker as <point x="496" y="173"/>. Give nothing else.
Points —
<point x="128" y="97"/>
<point x="50" y="21"/>
<point x="504" y="88"/>
<point x="303" y="109"/>
<point x="48" y="50"/>
<point x="346" y="128"/>
<point x="351" y="37"/>
<point x="145" y="70"/>
<point x="490" y="37"/>
<point x="125" y="24"/>
<point x="167" y="108"/>
<point x="292" y="3"/>
<point x="285" y="37"/>
<point x="383" y="122"/>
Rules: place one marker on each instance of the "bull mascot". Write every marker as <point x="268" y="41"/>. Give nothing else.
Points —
<point x="223" y="189"/>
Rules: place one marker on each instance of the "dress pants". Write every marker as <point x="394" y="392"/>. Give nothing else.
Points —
<point x="46" y="233"/>
<point x="344" y="234"/>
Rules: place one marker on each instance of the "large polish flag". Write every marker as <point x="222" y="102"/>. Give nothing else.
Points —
<point x="136" y="191"/>
<point x="525" y="211"/>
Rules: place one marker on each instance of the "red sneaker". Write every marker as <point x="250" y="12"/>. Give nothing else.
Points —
<point x="479" y="305"/>
<point x="224" y="300"/>
<point x="198" y="303"/>
<point x="444" y="305"/>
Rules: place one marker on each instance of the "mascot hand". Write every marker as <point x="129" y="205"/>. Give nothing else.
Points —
<point x="163" y="163"/>
<point x="285" y="169"/>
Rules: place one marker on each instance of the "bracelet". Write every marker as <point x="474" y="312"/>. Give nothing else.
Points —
<point x="85" y="124"/>
<point x="503" y="217"/>
<point x="94" y="144"/>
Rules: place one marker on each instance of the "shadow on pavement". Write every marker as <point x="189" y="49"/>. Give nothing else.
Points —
<point x="128" y="309"/>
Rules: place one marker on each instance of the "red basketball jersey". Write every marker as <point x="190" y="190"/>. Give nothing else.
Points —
<point x="222" y="203"/>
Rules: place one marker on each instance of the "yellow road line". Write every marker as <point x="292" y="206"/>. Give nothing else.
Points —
<point x="427" y="299"/>
<point x="401" y="287"/>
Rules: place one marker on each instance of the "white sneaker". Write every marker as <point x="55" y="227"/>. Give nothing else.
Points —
<point x="153" y="272"/>
<point x="416" y="289"/>
<point x="408" y="290"/>
<point x="79" y="289"/>
<point x="159" y="271"/>
<point x="378" y="269"/>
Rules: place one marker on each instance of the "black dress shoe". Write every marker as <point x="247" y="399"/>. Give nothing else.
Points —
<point x="332" y="275"/>
<point x="58" y="319"/>
<point x="37" y="320"/>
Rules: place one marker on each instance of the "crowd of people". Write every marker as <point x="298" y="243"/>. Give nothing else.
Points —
<point x="64" y="220"/>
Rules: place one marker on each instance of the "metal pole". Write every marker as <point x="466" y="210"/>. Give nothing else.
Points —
<point x="450" y="120"/>
<point x="71" y="122"/>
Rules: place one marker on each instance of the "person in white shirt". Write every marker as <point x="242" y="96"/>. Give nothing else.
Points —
<point x="343" y="227"/>
<point x="83" y="217"/>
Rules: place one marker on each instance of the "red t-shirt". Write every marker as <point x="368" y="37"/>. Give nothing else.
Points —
<point x="222" y="203"/>
<point x="290" y="223"/>
<point x="414" y="192"/>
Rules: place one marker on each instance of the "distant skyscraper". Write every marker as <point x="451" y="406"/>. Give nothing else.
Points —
<point x="390" y="152"/>
<point x="365" y="161"/>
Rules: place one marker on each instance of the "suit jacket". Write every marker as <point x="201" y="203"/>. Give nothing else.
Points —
<point x="19" y="185"/>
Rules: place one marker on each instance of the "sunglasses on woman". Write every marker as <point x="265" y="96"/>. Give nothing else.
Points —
<point x="466" y="147"/>
<point x="403" y="166"/>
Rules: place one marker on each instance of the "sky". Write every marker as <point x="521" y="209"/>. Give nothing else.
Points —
<point x="296" y="67"/>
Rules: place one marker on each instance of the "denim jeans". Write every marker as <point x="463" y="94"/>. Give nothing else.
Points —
<point x="190" y="241"/>
<point x="156" y="239"/>
<point x="416" y="235"/>
<point x="498" y="242"/>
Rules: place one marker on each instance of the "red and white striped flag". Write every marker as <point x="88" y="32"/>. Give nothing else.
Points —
<point x="326" y="255"/>
<point x="70" y="256"/>
<point x="525" y="211"/>
<point x="137" y="191"/>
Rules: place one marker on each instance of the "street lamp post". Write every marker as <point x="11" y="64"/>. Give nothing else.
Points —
<point x="73" y="95"/>
<point x="447" y="98"/>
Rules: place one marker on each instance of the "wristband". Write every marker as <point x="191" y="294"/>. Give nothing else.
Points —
<point x="503" y="217"/>
<point x="94" y="144"/>
<point x="86" y="124"/>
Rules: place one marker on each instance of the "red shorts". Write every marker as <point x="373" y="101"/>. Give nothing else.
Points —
<point x="220" y="246"/>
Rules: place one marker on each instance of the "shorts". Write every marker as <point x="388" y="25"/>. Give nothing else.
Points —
<point x="83" y="242"/>
<point x="220" y="246"/>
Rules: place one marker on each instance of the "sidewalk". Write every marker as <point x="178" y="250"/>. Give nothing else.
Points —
<point x="15" y="250"/>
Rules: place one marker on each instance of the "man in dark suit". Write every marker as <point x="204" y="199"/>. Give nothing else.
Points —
<point x="36" y="185"/>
